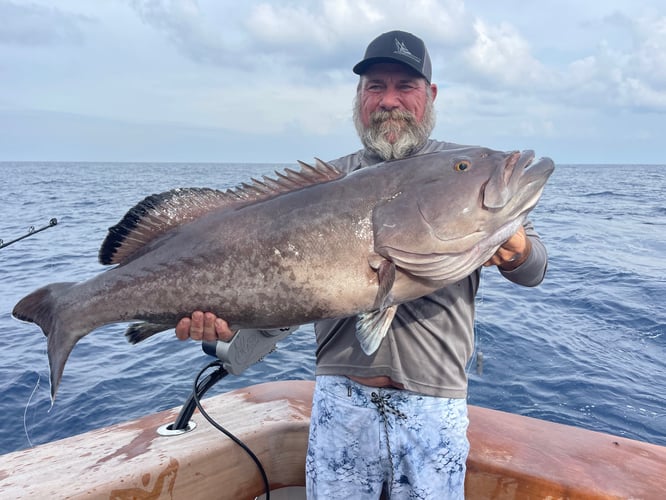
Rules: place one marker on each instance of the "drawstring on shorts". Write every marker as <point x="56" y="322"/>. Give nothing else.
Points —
<point x="383" y="403"/>
<point x="384" y="406"/>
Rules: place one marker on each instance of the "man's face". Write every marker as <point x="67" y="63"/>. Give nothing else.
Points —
<point x="393" y="112"/>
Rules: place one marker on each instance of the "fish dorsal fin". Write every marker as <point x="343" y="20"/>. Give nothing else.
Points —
<point x="287" y="181"/>
<point x="154" y="216"/>
<point x="159" y="213"/>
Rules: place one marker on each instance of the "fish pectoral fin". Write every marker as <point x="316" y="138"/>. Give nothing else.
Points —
<point x="386" y="278"/>
<point x="137" y="332"/>
<point x="385" y="270"/>
<point x="371" y="328"/>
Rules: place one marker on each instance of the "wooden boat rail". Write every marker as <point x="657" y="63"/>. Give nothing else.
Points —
<point x="511" y="456"/>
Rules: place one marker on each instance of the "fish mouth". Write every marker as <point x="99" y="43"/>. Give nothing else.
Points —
<point x="521" y="183"/>
<point x="530" y="186"/>
<point x="522" y="163"/>
<point x="521" y="175"/>
<point x="505" y="179"/>
<point x="525" y="158"/>
<point x="518" y="163"/>
<point x="537" y="172"/>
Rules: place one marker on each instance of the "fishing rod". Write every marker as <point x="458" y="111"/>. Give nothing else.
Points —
<point x="31" y="231"/>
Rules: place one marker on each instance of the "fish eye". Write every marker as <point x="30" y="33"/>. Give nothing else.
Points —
<point x="461" y="165"/>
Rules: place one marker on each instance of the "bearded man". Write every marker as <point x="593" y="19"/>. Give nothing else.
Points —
<point x="395" y="422"/>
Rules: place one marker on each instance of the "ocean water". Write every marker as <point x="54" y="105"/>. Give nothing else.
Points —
<point x="586" y="348"/>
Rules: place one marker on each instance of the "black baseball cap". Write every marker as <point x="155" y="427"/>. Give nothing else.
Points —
<point x="397" y="46"/>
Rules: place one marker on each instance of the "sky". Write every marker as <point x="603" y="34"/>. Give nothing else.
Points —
<point x="271" y="82"/>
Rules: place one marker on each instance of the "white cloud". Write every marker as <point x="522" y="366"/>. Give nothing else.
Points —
<point x="647" y="62"/>
<point x="311" y="35"/>
<point x="321" y="24"/>
<point x="625" y="69"/>
<point x="187" y="27"/>
<point x="620" y="75"/>
<point x="509" y="71"/>
<point x="500" y="55"/>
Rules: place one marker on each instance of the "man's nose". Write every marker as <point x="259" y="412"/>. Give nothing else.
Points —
<point x="390" y="99"/>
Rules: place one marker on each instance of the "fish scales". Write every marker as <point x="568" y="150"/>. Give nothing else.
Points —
<point x="306" y="246"/>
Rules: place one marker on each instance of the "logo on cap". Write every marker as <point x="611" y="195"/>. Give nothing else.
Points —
<point x="401" y="49"/>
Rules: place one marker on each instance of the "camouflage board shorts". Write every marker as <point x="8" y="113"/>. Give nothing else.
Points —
<point x="367" y="440"/>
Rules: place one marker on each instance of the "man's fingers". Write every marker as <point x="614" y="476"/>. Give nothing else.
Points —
<point x="203" y="326"/>
<point x="209" y="333"/>
<point x="223" y="331"/>
<point x="197" y="325"/>
<point x="183" y="329"/>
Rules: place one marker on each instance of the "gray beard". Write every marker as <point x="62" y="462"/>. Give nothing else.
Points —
<point x="411" y="135"/>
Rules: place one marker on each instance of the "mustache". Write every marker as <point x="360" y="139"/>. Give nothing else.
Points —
<point x="409" y="132"/>
<point x="381" y="116"/>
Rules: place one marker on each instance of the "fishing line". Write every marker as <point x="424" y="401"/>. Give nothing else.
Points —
<point x="25" y="411"/>
<point x="211" y="420"/>
<point x="27" y="405"/>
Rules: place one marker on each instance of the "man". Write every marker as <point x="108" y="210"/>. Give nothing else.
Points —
<point x="396" y="421"/>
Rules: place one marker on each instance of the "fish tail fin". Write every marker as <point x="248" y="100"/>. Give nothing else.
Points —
<point x="41" y="307"/>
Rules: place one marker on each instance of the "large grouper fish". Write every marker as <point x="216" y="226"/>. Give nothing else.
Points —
<point x="299" y="247"/>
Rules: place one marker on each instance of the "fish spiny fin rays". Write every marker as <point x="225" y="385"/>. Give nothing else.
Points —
<point x="371" y="327"/>
<point x="159" y="213"/>
<point x="156" y="215"/>
<point x="286" y="181"/>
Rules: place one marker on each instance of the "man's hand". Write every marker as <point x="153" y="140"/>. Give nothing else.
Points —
<point x="513" y="252"/>
<point x="203" y="326"/>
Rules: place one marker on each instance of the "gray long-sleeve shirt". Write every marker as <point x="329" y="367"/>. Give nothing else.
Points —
<point x="431" y="339"/>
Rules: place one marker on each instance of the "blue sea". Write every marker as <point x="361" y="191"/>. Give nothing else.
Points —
<point x="586" y="348"/>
